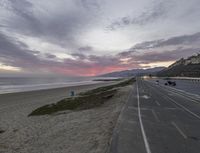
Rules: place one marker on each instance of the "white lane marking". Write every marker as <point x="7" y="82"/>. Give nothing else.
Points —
<point x="145" y="97"/>
<point x="190" y="96"/>
<point x="175" y="105"/>
<point x="141" y="125"/>
<point x="155" y="115"/>
<point x="192" y="113"/>
<point x="152" y="87"/>
<point x="179" y="130"/>
<point x="157" y="103"/>
<point x="186" y="109"/>
<point x="174" y="91"/>
<point x="182" y="96"/>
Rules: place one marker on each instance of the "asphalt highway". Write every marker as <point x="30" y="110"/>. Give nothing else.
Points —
<point x="158" y="119"/>
<point x="188" y="85"/>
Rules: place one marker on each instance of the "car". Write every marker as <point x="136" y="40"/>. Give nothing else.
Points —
<point x="157" y="81"/>
<point x="170" y="83"/>
<point x="173" y="83"/>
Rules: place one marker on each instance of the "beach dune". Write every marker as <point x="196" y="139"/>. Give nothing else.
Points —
<point x="70" y="131"/>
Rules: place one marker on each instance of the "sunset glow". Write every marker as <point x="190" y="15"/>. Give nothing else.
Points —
<point x="9" y="68"/>
<point x="93" y="37"/>
<point x="158" y="64"/>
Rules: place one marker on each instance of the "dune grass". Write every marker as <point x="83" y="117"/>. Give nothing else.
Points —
<point x="86" y="100"/>
<point x="106" y="88"/>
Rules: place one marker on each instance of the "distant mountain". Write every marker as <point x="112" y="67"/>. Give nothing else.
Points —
<point x="133" y="72"/>
<point x="189" y="67"/>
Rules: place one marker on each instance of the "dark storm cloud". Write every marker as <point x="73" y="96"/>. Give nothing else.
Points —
<point x="153" y="51"/>
<point x="14" y="53"/>
<point x="56" y="27"/>
<point x="153" y="57"/>
<point x="25" y="20"/>
<point x="12" y="50"/>
<point x="173" y="41"/>
<point x="181" y="40"/>
<point x="167" y="55"/>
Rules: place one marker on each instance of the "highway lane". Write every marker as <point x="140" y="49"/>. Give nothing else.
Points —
<point x="156" y="120"/>
<point x="190" y="86"/>
<point x="179" y="121"/>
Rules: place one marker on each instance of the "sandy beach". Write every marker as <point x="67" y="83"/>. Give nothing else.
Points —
<point x="86" y="131"/>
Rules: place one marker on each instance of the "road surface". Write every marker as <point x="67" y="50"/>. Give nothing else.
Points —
<point x="188" y="85"/>
<point x="158" y="119"/>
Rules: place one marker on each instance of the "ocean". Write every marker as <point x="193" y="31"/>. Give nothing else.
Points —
<point x="20" y="84"/>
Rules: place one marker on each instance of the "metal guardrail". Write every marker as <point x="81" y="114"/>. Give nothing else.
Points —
<point x="184" y="78"/>
<point x="187" y="78"/>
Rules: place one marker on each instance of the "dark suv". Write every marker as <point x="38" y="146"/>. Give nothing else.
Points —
<point x="170" y="83"/>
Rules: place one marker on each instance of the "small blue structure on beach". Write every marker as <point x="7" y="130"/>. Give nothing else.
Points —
<point x="72" y="93"/>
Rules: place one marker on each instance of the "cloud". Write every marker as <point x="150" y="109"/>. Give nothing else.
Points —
<point x="150" y="15"/>
<point x="173" y="41"/>
<point x="163" y="50"/>
<point x="61" y="24"/>
<point x="93" y="5"/>
<point x="13" y="50"/>
<point x="15" y="53"/>
<point x="85" y="49"/>
<point x="168" y="55"/>
<point x="50" y="56"/>
<point x="79" y="56"/>
<point x="22" y="16"/>
<point x="180" y="40"/>
<point x="66" y="36"/>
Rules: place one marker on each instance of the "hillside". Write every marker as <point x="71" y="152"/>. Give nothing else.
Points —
<point x="189" y="67"/>
<point x="133" y="72"/>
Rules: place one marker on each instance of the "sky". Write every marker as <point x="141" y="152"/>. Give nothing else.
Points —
<point x="93" y="37"/>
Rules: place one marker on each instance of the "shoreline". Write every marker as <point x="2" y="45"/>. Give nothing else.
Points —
<point x="53" y="95"/>
<point x="42" y="87"/>
<point x="60" y="88"/>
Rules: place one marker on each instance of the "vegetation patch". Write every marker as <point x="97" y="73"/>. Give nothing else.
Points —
<point x="119" y="79"/>
<point x="106" y="88"/>
<point x="87" y="100"/>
